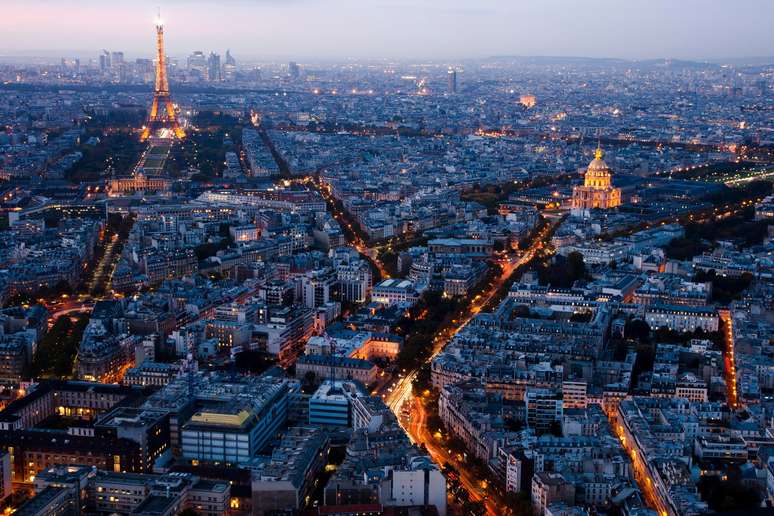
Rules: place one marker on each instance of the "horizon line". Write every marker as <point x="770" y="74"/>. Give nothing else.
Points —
<point x="94" y="53"/>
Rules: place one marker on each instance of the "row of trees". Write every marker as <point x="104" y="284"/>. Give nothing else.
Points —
<point x="56" y="351"/>
<point x="421" y="324"/>
<point x="701" y="237"/>
<point x="116" y="153"/>
<point x="724" y="288"/>
<point x="492" y="195"/>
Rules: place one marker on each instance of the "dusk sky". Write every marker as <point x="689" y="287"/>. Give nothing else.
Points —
<point x="412" y="29"/>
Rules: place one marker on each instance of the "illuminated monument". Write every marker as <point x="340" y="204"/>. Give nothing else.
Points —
<point x="597" y="190"/>
<point x="162" y="120"/>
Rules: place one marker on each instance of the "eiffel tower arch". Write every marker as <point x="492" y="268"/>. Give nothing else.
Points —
<point x="162" y="113"/>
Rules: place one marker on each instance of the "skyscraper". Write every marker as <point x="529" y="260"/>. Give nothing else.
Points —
<point x="116" y="59"/>
<point x="197" y="65"/>
<point x="104" y="60"/>
<point x="229" y="67"/>
<point x="213" y="68"/>
<point x="294" y="69"/>
<point x="230" y="59"/>
<point x="452" y="78"/>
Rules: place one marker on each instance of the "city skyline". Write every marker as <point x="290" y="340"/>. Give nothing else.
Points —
<point x="344" y="29"/>
<point x="387" y="257"/>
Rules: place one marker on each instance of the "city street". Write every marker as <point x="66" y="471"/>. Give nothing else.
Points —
<point x="730" y="364"/>
<point x="402" y="392"/>
<point x="397" y="393"/>
<point x="641" y="472"/>
<point x="417" y="429"/>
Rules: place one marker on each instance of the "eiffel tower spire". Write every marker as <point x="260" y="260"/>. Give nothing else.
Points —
<point x="162" y="113"/>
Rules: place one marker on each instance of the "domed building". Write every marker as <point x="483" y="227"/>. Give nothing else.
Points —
<point x="597" y="191"/>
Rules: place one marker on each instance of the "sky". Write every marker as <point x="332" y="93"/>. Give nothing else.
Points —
<point x="395" y="29"/>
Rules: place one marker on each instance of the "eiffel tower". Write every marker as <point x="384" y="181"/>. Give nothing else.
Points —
<point x="162" y="116"/>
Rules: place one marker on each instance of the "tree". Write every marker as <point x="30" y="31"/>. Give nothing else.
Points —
<point x="518" y="503"/>
<point x="581" y="317"/>
<point x="520" y="311"/>
<point x="729" y="495"/>
<point x="643" y="363"/>
<point x="57" y="349"/>
<point x="637" y="329"/>
<point x="309" y="382"/>
<point x="564" y="271"/>
<point x="724" y="288"/>
<point x="254" y="362"/>
<point x="513" y="425"/>
<point x="422" y="382"/>
<point x="200" y="178"/>
<point x="115" y="153"/>
<point x="208" y="249"/>
<point x="476" y="508"/>
<point x="114" y="221"/>
<point x="576" y="265"/>
<point x="684" y="248"/>
<point x="224" y="230"/>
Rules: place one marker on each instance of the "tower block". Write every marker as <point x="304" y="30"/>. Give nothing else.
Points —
<point x="162" y="113"/>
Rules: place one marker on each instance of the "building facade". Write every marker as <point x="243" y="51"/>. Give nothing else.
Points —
<point x="597" y="191"/>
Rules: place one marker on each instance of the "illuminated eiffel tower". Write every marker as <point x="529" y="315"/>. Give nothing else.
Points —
<point x="162" y="118"/>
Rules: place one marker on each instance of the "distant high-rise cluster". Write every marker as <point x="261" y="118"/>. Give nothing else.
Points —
<point x="197" y="65"/>
<point x="201" y="67"/>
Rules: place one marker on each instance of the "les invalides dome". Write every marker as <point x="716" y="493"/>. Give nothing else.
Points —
<point x="597" y="191"/>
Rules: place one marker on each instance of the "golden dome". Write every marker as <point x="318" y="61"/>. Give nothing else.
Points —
<point x="598" y="164"/>
<point x="598" y="174"/>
